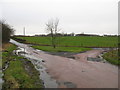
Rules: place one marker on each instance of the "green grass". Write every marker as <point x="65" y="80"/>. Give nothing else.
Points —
<point x="5" y="55"/>
<point x="112" y="57"/>
<point x="83" y="41"/>
<point x="61" y="49"/>
<point x="16" y="76"/>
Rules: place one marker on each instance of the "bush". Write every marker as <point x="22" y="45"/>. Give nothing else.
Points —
<point x="7" y="31"/>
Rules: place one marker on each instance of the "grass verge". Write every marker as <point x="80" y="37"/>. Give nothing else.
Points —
<point x="7" y="51"/>
<point x="112" y="57"/>
<point x="20" y="73"/>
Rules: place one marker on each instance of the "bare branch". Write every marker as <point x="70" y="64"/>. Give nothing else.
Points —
<point x="52" y="27"/>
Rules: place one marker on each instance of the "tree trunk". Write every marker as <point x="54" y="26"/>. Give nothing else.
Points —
<point x="53" y="39"/>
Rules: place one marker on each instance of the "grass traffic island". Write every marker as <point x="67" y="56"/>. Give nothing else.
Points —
<point x="20" y="73"/>
<point x="61" y="49"/>
<point x="112" y="57"/>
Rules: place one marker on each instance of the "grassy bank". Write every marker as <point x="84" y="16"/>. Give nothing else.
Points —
<point x="61" y="49"/>
<point x="112" y="57"/>
<point x="7" y="51"/>
<point x="83" y="41"/>
<point x="20" y="73"/>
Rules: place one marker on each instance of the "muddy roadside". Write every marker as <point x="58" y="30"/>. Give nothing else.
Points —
<point x="19" y="71"/>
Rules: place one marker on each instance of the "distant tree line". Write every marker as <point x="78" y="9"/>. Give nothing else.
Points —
<point x="6" y="31"/>
<point x="73" y="34"/>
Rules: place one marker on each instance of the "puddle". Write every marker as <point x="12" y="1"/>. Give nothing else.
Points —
<point x="97" y="59"/>
<point x="94" y="59"/>
<point x="70" y="85"/>
<point x="38" y="63"/>
<point x="6" y="66"/>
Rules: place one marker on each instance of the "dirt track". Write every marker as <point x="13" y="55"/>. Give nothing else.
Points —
<point x="81" y="73"/>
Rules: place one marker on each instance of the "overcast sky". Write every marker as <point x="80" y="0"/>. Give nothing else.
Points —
<point x="88" y="16"/>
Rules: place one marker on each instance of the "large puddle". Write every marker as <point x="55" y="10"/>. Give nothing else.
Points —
<point x="37" y="62"/>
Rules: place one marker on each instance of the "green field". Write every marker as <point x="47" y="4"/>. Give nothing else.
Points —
<point x="16" y="76"/>
<point x="82" y="41"/>
<point x="70" y="43"/>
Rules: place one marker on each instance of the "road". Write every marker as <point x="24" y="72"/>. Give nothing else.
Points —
<point x="79" y="72"/>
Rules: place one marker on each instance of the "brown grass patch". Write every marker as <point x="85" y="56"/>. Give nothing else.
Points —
<point x="5" y="46"/>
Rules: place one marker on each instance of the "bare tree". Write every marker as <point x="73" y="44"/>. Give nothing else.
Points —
<point x="52" y="28"/>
